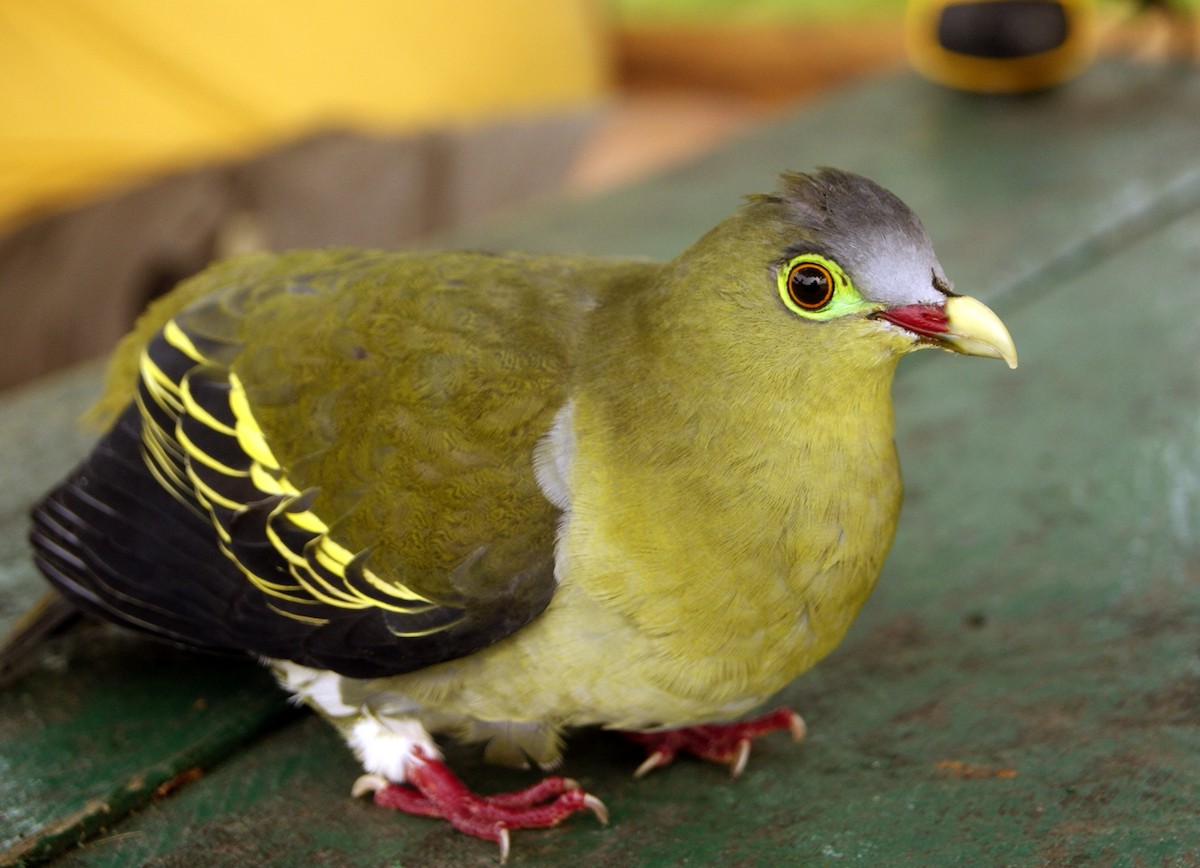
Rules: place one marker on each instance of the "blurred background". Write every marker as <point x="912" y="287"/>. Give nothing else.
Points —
<point x="140" y="140"/>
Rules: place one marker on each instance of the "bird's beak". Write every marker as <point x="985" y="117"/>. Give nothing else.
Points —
<point x="963" y="325"/>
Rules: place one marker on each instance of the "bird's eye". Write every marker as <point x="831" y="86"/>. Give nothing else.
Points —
<point x="816" y="288"/>
<point x="810" y="285"/>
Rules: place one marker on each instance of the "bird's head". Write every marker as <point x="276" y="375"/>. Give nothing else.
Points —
<point x="836" y="264"/>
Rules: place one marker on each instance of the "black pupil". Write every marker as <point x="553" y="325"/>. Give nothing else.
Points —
<point x="1003" y="28"/>
<point x="810" y="286"/>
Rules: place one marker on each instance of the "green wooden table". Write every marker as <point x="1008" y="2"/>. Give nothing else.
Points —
<point x="1023" y="688"/>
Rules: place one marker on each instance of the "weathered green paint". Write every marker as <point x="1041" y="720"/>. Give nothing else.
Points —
<point x="1040" y="613"/>
<point x="117" y="718"/>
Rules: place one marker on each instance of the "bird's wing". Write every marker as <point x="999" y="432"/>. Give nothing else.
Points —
<point x="328" y="460"/>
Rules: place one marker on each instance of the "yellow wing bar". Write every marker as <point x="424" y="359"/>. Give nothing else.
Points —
<point x="201" y="441"/>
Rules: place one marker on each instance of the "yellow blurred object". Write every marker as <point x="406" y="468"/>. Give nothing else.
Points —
<point x="1000" y="46"/>
<point x="98" y="93"/>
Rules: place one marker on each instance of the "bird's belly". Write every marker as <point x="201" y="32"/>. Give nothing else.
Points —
<point x="584" y="663"/>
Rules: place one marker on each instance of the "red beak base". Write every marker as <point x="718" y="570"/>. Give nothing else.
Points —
<point x="927" y="320"/>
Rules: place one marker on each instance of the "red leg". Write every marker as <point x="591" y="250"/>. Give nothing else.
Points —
<point x="435" y="791"/>
<point x="725" y="743"/>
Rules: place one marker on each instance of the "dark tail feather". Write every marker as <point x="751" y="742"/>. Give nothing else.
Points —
<point x="50" y="615"/>
<point x="91" y="539"/>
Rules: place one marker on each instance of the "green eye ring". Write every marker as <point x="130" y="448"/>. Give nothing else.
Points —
<point x="816" y="288"/>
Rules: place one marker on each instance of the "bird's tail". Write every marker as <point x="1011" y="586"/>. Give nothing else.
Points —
<point x="49" y="615"/>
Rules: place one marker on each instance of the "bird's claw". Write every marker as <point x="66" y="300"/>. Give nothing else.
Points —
<point x="502" y="840"/>
<point x="728" y="744"/>
<point x="742" y="756"/>
<point x="597" y="807"/>
<point x="366" y="785"/>
<point x="656" y="759"/>
<point x="435" y="791"/>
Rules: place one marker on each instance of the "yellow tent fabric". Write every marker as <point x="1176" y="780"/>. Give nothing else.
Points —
<point x="96" y="93"/>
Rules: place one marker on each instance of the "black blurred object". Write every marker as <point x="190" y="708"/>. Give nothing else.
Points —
<point x="1016" y="46"/>
<point x="1001" y="46"/>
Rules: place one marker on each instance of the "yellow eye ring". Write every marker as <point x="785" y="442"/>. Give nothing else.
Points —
<point x="810" y="286"/>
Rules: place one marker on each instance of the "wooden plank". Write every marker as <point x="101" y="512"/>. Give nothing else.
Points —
<point x="1001" y="637"/>
<point x="118" y="722"/>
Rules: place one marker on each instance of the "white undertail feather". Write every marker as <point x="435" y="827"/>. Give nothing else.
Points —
<point x="385" y="744"/>
<point x="317" y="687"/>
<point x="388" y="746"/>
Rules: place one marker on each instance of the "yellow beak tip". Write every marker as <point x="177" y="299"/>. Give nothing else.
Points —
<point x="977" y="331"/>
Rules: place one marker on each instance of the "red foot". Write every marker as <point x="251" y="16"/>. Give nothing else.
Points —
<point x="435" y="791"/>
<point x="725" y="743"/>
